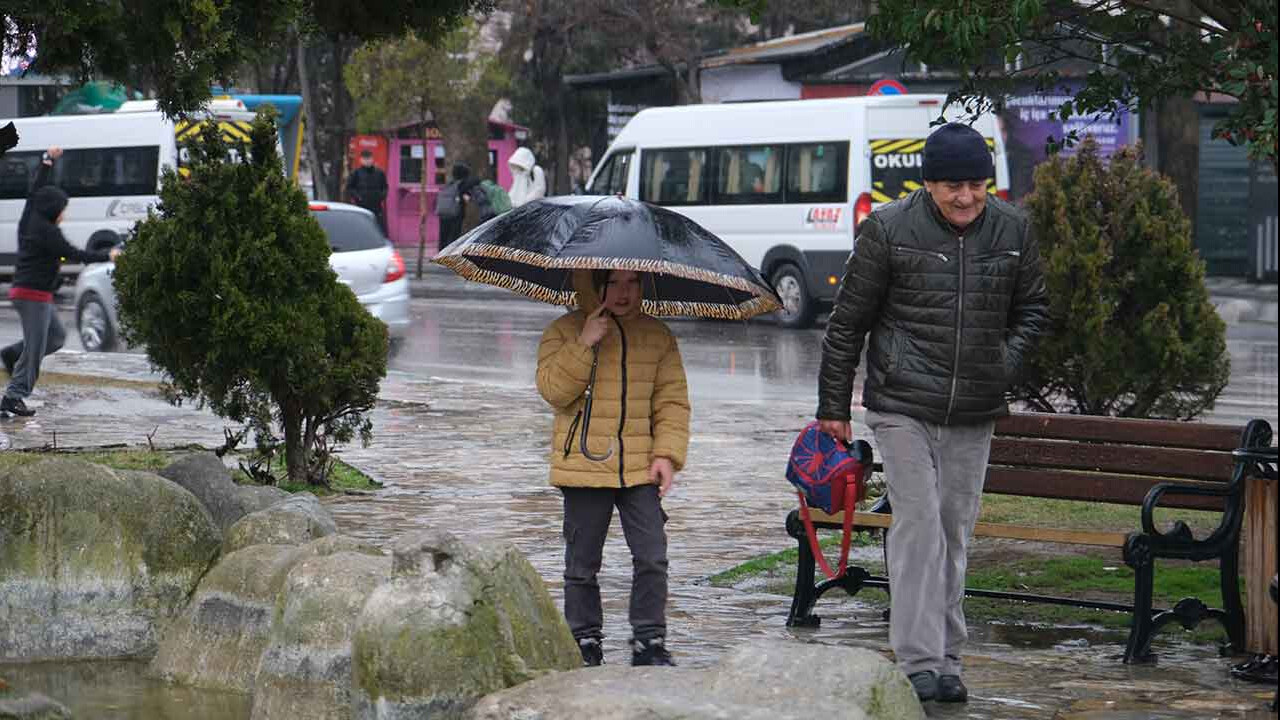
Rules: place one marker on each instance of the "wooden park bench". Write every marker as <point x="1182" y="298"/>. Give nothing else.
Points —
<point x="1148" y="463"/>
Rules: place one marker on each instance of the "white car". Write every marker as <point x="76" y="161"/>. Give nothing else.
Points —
<point x="362" y="257"/>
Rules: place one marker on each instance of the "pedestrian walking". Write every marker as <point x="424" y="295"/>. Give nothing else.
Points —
<point x="948" y="283"/>
<point x="528" y="181"/>
<point x="614" y="376"/>
<point x="367" y="187"/>
<point x="451" y="205"/>
<point x="41" y="250"/>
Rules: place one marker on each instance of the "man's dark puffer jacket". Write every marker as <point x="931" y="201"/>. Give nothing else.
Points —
<point x="951" y="316"/>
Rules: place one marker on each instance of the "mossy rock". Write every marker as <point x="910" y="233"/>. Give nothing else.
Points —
<point x="218" y="641"/>
<point x="296" y="520"/>
<point x="93" y="559"/>
<point x="305" y="671"/>
<point x="759" y="681"/>
<point x="454" y="624"/>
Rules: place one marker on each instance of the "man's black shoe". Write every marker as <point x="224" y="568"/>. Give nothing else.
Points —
<point x="925" y="683"/>
<point x="9" y="358"/>
<point x="951" y="689"/>
<point x="15" y="406"/>
<point x="592" y="652"/>
<point x="650" y="652"/>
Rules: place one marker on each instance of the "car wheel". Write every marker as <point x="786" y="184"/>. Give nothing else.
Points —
<point x="94" y="323"/>
<point x="798" y="308"/>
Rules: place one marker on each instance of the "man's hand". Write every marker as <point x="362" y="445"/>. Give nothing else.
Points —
<point x="596" y="327"/>
<point x="662" y="472"/>
<point x="841" y="430"/>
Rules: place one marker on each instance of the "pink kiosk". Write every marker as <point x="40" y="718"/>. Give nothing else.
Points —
<point x="412" y="170"/>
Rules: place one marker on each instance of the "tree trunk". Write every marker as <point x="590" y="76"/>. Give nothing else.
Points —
<point x="343" y="122"/>
<point x="422" y="199"/>
<point x="563" y="183"/>
<point x="1178" y="127"/>
<point x="311" y="124"/>
<point x="295" y="451"/>
<point x="1178" y="135"/>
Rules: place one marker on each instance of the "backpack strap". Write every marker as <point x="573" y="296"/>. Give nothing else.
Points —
<point x="846" y="537"/>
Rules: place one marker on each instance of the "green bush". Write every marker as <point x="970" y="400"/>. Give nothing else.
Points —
<point x="1133" y="332"/>
<point x="227" y="285"/>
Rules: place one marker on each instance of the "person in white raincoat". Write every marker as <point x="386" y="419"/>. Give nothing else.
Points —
<point x="528" y="181"/>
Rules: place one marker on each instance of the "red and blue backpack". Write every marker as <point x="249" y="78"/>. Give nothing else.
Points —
<point x="831" y="477"/>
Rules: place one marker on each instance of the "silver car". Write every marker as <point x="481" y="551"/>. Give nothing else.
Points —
<point x="362" y="257"/>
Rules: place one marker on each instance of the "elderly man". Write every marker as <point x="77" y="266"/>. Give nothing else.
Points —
<point x="948" y="283"/>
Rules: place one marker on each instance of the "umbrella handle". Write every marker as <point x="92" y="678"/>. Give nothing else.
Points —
<point x="586" y="410"/>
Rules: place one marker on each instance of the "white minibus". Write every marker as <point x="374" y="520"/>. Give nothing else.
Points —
<point x="110" y="168"/>
<point x="785" y="184"/>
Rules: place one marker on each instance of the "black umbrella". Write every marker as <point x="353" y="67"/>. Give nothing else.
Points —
<point x="535" y="249"/>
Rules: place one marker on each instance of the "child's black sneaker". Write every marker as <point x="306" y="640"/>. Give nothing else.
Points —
<point x="592" y="652"/>
<point x="650" y="652"/>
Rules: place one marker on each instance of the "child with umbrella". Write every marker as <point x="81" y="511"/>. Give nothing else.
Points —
<point x="615" y="379"/>
<point x="613" y="375"/>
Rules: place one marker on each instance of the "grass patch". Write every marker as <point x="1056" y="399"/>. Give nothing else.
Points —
<point x="1047" y="513"/>
<point x="122" y="459"/>
<point x="1086" y="576"/>
<point x="1096" y="576"/>
<point x="344" y="477"/>
<point x="784" y="560"/>
<point x="60" y="378"/>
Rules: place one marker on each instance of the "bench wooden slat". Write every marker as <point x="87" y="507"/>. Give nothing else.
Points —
<point x="1159" y="433"/>
<point x="1128" y="459"/>
<point x="1092" y="487"/>
<point x="1098" y="538"/>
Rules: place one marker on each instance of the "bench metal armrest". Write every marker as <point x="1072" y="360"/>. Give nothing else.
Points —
<point x="1181" y="531"/>
<point x="1256" y="457"/>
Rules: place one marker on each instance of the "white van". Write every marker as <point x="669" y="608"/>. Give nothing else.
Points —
<point x="110" y="167"/>
<point x="783" y="183"/>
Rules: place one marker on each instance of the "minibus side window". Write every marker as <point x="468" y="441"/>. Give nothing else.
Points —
<point x="17" y="172"/>
<point x="818" y="172"/>
<point x="601" y="183"/>
<point x="612" y="178"/>
<point x="618" y="173"/>
<point x="749" y="175"/>
<point x="674" y="177"/>
<point x="107" y="172"/>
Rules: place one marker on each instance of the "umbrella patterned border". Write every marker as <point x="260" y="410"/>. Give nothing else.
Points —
<point x="761" y="302"/>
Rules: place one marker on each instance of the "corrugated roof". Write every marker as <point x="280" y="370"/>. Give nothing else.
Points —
<point x="784" y="47"/>
<point x="775" y="50"/>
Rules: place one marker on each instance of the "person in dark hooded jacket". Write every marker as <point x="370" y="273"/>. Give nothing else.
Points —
<point x="41" y="250"/>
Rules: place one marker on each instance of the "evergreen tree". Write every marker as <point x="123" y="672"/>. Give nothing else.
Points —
<point x="1133" y="332"/>
<point x="227" y="285"/>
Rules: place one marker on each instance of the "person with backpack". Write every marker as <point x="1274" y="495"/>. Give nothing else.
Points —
<point x="614" y="378"/>
<point x="948" y="283"/>
<point x="451" y="205"/>
<point x="528" y="181"/>
<point x="41" y="250"/>
<point x="489" y="197"/>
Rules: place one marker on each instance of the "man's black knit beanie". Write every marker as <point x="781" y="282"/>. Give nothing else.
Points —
<point x="956" y="151"/>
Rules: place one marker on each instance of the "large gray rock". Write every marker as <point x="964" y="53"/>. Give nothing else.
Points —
<point x="295" y="521"/>
<point x="453" y="624"/>
<point x="305" y="671"/>
<point x="31" y="706"/>
<point x="767" y="680"/>
<point x="218" y="640"/>
<point x="92" y="559"/>
<point x="206" y="477"/>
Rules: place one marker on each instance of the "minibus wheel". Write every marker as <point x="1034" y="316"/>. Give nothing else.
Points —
<point x="798" y="307"/>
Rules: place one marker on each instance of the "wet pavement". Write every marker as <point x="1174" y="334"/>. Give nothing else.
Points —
<point x="460" y="439"/>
